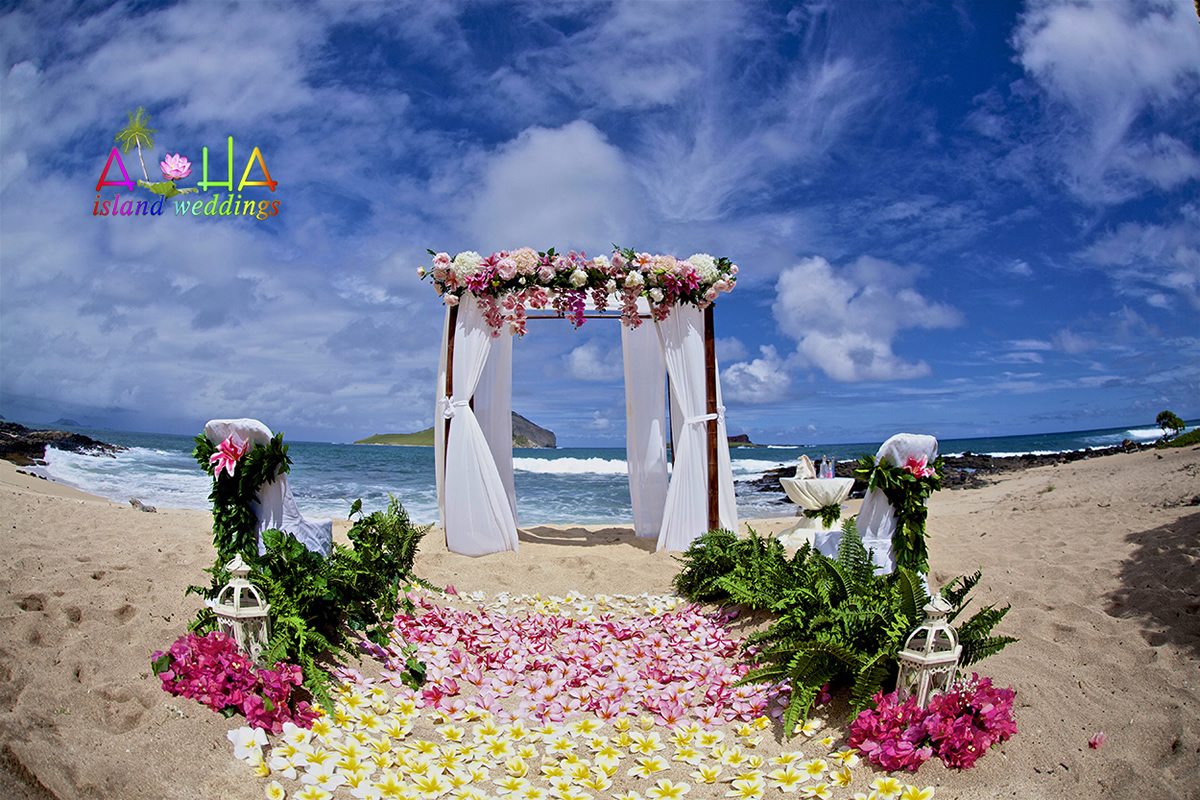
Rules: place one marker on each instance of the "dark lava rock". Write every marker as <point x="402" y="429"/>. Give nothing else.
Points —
<point x="25" y="446"/>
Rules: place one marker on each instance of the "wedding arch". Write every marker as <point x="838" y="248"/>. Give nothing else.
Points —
<point x="489" y="300"/>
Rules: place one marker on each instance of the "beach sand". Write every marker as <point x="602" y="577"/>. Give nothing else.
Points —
<point x="1098" y="559"/>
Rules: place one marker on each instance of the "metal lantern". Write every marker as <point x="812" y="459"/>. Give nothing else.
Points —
<point x="929" y="660"/>
<point x="242" y="612"/>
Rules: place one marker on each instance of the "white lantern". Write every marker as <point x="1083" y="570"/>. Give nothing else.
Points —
<point x="242" y="612"/>
<point x="929" y="660"/>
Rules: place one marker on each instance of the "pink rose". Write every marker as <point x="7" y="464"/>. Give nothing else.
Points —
<point x="442" y="260"/>
<point x="507" y="269"/>
<point x="175" y="167"/>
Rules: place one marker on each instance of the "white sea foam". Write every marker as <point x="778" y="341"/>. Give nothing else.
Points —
<point x="156" y="477"/>
<point x="571" y="466"/>
<point x="1140" y="434"/>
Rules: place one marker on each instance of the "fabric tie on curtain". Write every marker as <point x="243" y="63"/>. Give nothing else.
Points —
<point x="448" y="405"/>
<point x="476" y="510"/>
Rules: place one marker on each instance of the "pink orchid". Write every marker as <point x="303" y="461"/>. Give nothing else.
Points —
<point x="175" y="167"/>
<point x="229" y="452"/>
<point x="918" y="467"/>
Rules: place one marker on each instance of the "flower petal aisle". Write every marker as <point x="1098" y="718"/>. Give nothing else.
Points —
<point x="569" y="698"/>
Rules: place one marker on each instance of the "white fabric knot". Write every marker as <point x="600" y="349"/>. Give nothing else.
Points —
<point x="448" y="405"/>
<point x="720" y="415"/>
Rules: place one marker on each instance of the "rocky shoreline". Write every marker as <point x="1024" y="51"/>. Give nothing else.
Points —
<point x="967" y="471"/>
<point x="26" y="447"/>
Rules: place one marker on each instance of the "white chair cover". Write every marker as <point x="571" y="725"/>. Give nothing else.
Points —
<point x="685" y="515"/>
<point x="877" y="518"/>
<point x="273" y="506"/>
<point x="645" y="427"/>
<point x="476" y="512"/>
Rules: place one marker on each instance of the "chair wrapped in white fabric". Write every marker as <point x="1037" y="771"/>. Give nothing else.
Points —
<point x="877" y="518"/>
<point x="274" y="507"/>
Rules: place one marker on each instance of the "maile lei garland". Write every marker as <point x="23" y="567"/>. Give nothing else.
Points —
<point x="248" y="468"/>
<point x="907" y="488"/>
<point x="829" y="514"/>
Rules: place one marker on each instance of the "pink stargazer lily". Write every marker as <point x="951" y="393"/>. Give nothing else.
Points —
<point x="229" y="452"/>
<point x="919" y="467"/>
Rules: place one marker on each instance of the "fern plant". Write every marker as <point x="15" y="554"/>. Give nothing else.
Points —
<point x="836" y="621"/>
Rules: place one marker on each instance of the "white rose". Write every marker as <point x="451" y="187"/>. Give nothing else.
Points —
<point x="600" y="262"/>
<point x="578" y="278"/>
<point x="656" y="295"/>
<point x="634" y="280"/>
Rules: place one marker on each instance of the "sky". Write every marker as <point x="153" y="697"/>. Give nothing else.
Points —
<point x="965" y="219"/>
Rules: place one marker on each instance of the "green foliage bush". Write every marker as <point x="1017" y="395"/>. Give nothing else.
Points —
<point x="836" y="621"/>
<point x="316" y="603"/>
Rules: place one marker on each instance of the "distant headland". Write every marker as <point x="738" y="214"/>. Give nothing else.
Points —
<point x="525" y="434"/>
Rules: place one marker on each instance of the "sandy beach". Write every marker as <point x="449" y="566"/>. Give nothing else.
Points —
<point x="1098" y="559"/>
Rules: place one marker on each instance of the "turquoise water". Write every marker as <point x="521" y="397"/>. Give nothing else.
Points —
<point x="569" y="485"/>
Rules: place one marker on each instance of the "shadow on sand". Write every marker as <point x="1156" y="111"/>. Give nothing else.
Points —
<point x="581" y="537"/>
<point x="1161" y="584"/>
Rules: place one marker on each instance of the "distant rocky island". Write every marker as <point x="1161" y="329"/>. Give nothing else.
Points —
<point x="525" y="434"/>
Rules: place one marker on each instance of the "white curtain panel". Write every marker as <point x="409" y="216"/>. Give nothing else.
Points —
<point x="493" y="409"/>
<point x="477" y="515"/>
<point x="273" y="504"/>
<point x="685" y="515"/>
<point x="645" y="427"/>
<point x="877" y="518"/>
<point x="439" y="424"/>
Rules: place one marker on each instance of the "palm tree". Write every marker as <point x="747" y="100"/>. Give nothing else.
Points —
<point x="136" y="132"/>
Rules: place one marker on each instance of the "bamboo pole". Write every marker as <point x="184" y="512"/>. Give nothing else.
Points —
<point x="710" y="381"/>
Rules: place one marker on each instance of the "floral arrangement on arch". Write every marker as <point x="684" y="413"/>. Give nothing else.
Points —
<point x="509" y="282"/>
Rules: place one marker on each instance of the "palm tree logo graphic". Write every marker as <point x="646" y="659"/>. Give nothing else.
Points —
<point x="138" y="133"/>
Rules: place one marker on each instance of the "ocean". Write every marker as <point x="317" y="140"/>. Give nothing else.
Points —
<point x="563" y="486"/>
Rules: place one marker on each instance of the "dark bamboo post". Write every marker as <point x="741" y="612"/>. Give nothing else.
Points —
<point x="710" y="380"/>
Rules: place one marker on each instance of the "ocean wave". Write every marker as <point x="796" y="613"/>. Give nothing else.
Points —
<point x="1138" y="434"/>
<point x="571" y="466"/>
<point x="153" y="476"/>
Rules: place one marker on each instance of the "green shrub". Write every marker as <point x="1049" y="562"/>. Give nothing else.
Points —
<point x="836" y="621"/>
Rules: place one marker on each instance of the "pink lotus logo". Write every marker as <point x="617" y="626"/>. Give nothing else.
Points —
<point x="138" y="134"/>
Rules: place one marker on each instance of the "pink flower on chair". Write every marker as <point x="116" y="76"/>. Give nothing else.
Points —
<point x="919" y="467"/>
<point x="229" y="452"/>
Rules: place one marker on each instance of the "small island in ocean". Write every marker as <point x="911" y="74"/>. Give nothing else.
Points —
<point x="525" y="434"/>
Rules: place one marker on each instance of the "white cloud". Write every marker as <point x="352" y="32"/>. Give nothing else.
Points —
<point x="730" y="350"/>
<point x="566" y="187"/>
<point x="1155" y="262"/>
<point x="590" y="362"/>
<point x="763" y="380"/>
<point x="1107" y="64"/>
<point x="845" y="322"/>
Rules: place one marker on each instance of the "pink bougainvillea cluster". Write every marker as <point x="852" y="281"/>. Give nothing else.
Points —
<point x="958" y="727"/>
<point x="212" y="670"/>
<point x="549" y="667"/>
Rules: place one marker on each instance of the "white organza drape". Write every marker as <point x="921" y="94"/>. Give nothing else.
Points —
<point x="493" y="409"/>
<point x="685" y="514"/>
<point x="645" y="427"/>
<point x="877" y="518"/>
<point x="476" y="511"/>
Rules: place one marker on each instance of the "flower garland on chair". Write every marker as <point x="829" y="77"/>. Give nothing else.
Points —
<point x="507" y="283"/>
<point x="906" y="488"/>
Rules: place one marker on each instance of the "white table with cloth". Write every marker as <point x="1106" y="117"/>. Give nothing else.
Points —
<point x="812" y="494"/>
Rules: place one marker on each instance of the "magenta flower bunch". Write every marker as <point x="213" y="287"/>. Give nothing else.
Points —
<point x="211" y="670"/>
<point x="670" y="666"/>
<point x="958" y="726"/>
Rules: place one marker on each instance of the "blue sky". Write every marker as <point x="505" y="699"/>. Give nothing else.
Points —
<point x="963" y="219"/>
